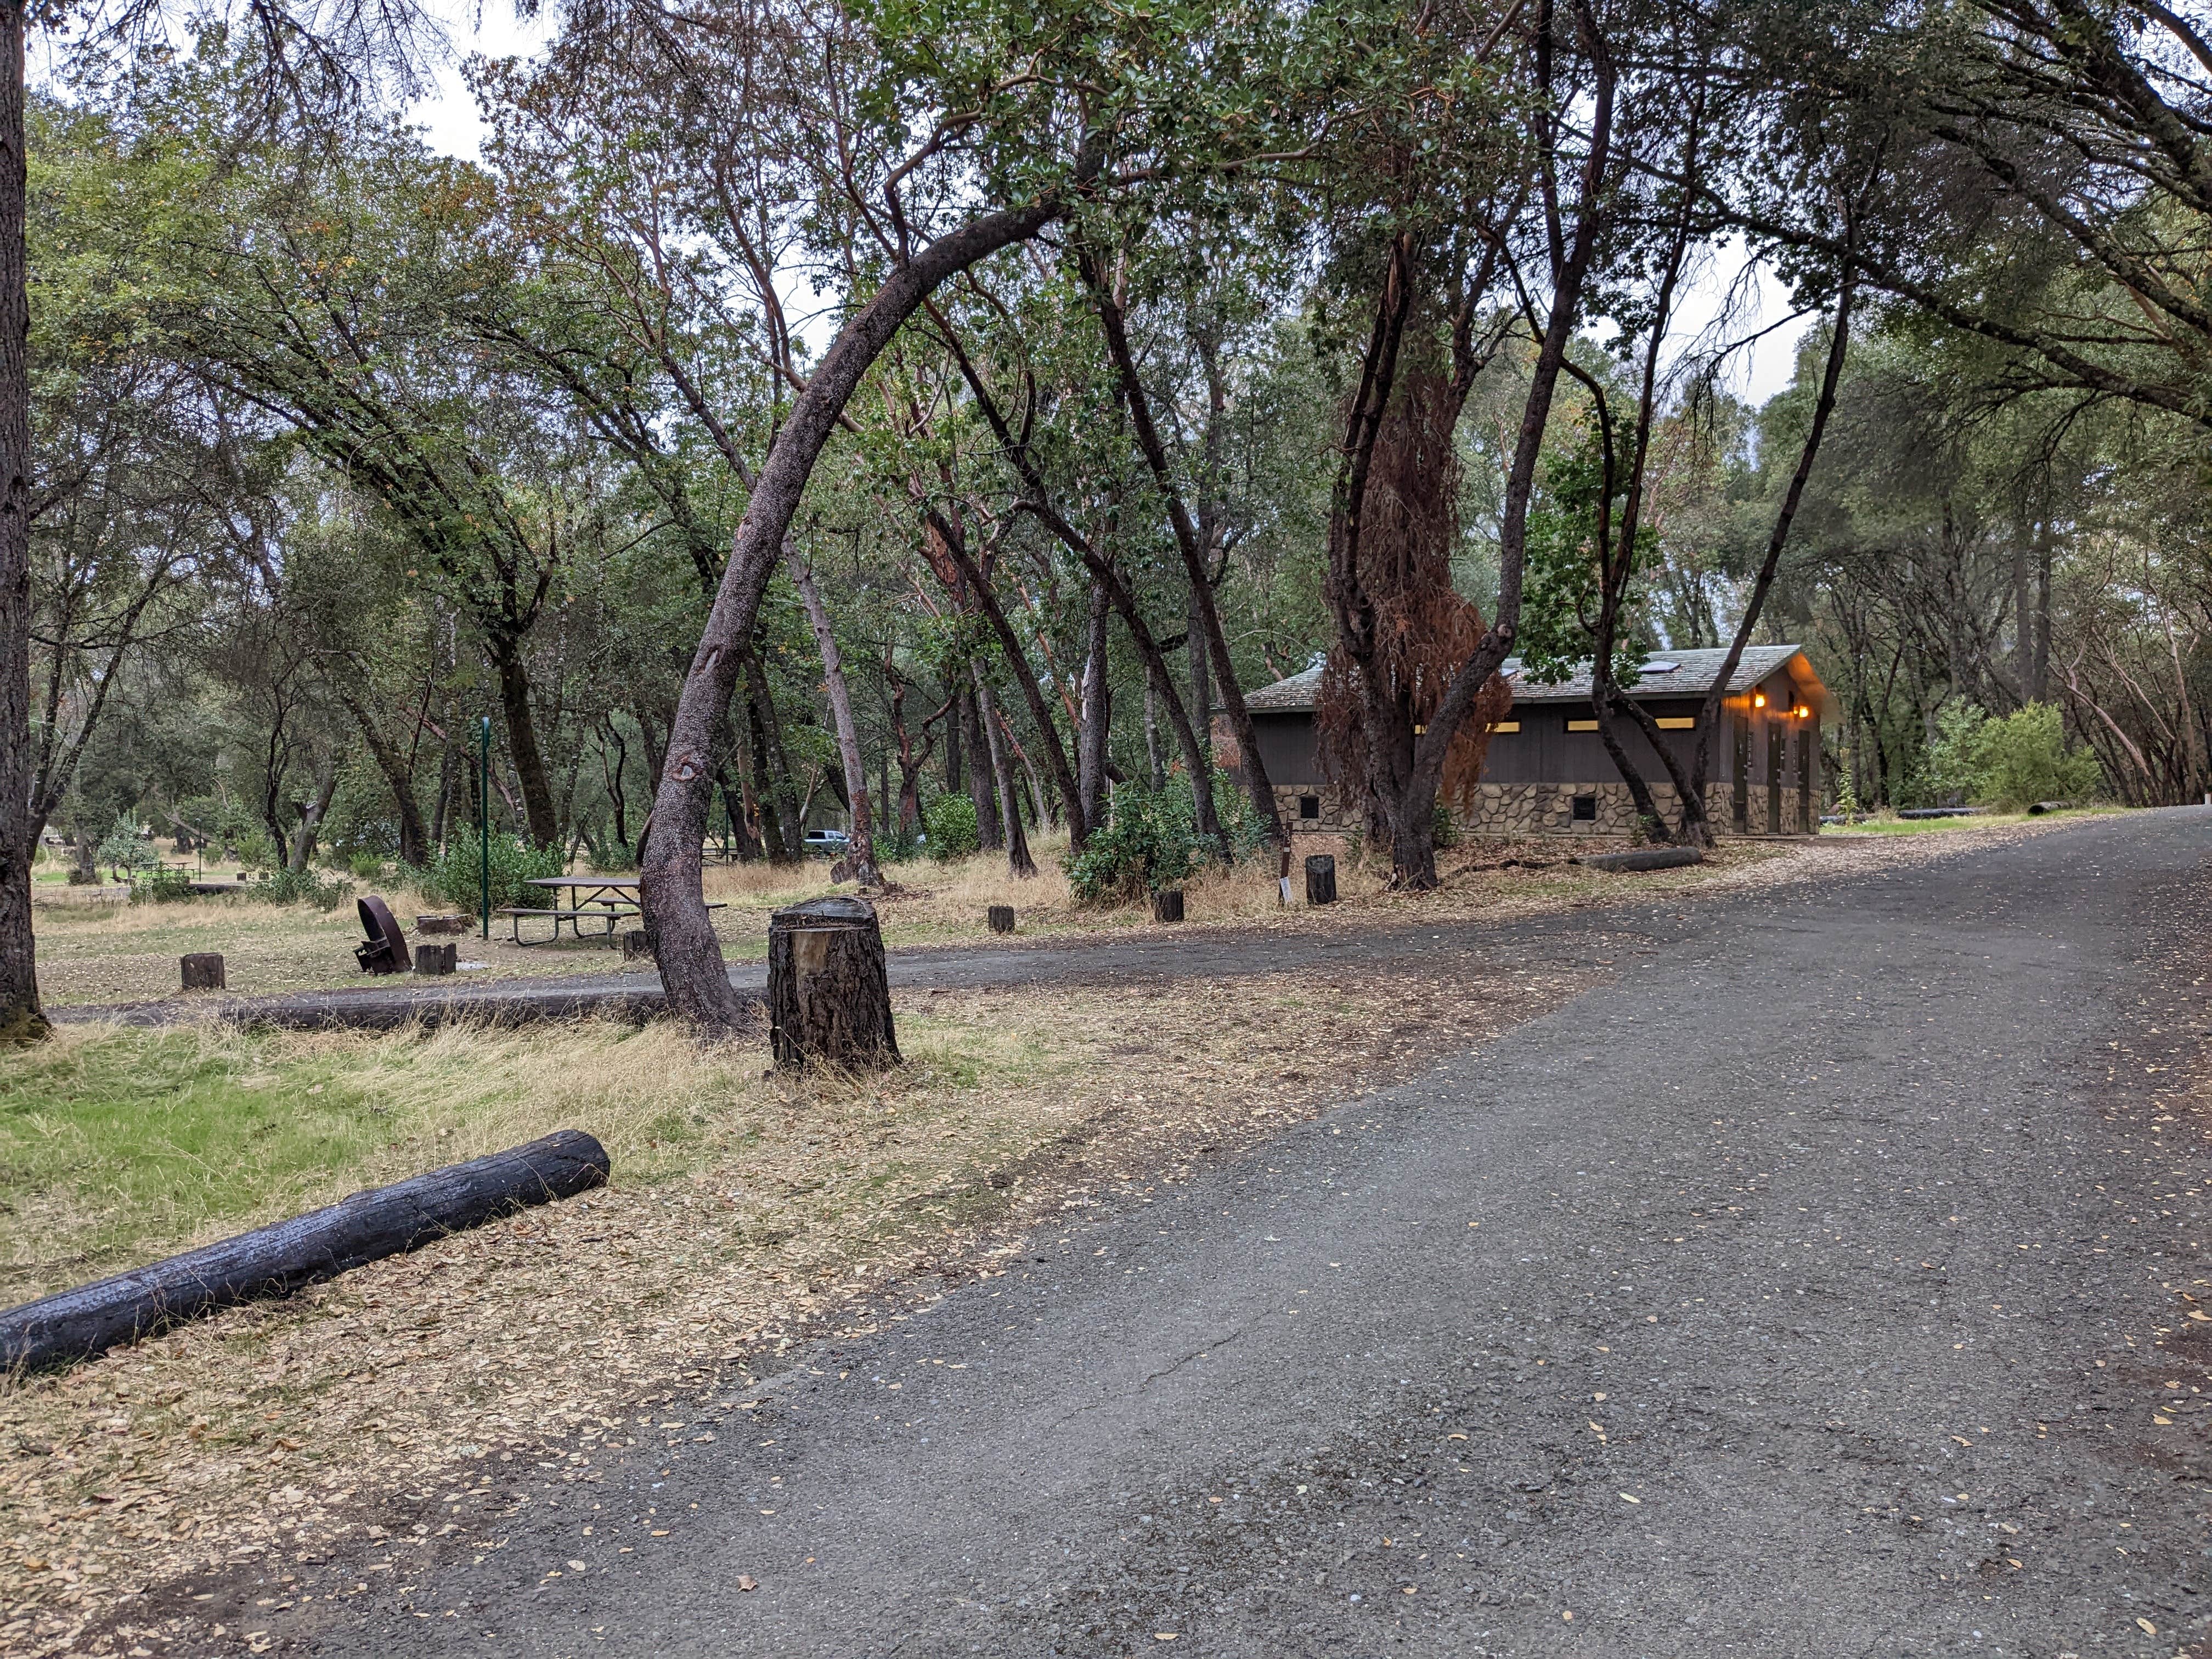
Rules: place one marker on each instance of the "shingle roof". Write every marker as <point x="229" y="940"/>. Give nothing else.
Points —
<point x="1691" y="676"/>
<point x="1294" y="696"/>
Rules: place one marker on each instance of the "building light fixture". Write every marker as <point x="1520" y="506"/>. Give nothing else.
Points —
<point x="1758" y="700"/>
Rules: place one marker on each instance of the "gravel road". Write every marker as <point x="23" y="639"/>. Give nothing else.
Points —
<point x="1820" y="1285"/>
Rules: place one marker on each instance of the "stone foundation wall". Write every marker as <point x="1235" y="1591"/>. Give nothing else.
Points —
<point x="1508" y="809"/>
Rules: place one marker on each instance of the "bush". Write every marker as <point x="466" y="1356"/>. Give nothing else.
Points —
<point x="2025" y="759"/>
<point x="951" y="822"/>
<point x="2010" y="763"/>
<point x="456" y="878"/>
<point x="160" y="886"/>
<point x="297" y="887"/>
<point x="1444" y="828"/>
<point x="896" y="846"/>
<point x="366" y="866"/>
<point x="1146" y="845"/>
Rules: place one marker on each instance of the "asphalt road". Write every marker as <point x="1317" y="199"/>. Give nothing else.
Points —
<point x="1815" y="1287"/>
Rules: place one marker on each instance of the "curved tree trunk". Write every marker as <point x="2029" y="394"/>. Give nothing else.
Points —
<point x="692" y="965"/>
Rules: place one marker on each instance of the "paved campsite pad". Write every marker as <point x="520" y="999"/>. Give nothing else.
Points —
<point x="1817" y="1286"/>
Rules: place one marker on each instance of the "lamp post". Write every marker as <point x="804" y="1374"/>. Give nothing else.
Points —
<point x="484" y="820"/>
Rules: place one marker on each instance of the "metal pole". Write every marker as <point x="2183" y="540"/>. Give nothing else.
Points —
<point x="484" y="819"/>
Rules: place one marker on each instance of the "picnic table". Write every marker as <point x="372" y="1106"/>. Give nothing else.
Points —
<point x="607" y="899"/>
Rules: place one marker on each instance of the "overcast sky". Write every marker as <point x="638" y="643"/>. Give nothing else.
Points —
<point x="451" y="124"/>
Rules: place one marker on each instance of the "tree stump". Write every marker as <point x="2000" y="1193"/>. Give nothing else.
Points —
<point x="433" y="960"/>
<point x="452" y="921"/>
<point x="828" y="995"/>
<point x="1167" y="904"/>
<point x="1002" y="917"/>
<point x="203" y="971"/>
<point x="637" y="946"/>
<point x="1320" y="879"/>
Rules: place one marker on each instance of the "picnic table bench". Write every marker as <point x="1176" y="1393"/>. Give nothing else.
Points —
<point x="607" y="899"/>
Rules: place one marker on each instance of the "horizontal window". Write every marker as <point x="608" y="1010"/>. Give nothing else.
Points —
<point x="1678" y="723"/>
<point x="1581" y="725"/>
<point x="1507" y="726"/>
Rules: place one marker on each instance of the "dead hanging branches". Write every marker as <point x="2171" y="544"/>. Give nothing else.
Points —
<point x="1409" y="628"/>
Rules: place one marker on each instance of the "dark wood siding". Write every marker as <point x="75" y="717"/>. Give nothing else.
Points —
<point x="1544" y="751"/>
<point x="1287" y="748"/>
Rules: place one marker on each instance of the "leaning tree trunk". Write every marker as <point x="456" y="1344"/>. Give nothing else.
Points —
<point x="522" y="745"/>
<point x="1098" y="715"/>
<point x="828" y="992"/>
<point x="1018" y="861"/>
<point x="22" y="1017"/>
<point x="691" y="966"/>
<point x="862" y="849"/>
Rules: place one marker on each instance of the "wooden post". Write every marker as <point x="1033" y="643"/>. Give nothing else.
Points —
<point x="1002" y="917"/>
<point x="277" y="1261"/>
<point x="203" y="971"/>
<point x="637" y="946"/>
<point x="1167" y="904"/>
<point x="828" y="995"/>
<point x="433" y="961"/>
<point x="1320" y="879"/>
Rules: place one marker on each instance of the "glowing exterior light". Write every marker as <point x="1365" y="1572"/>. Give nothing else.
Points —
<point x="1758" y="700"/>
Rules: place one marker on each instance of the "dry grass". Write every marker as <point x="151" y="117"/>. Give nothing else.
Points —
<point x="748" y="1213"/>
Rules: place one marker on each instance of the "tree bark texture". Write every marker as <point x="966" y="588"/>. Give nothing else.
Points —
<point x="269" y="1261"/>
<point x="860" y="849"/>
<point x="1167" y="904"/>
<point x="829" y="992"/>
<point x="202" y="970"/>
<point x="1018" y="861"/>
<point x="529" y="760"/>
<point x="1097" y="715"/>
<point x="691" y="964"/>
<point x="1320" y="879"/>
<point x="982" y="775"/>
<point x="21" y="1016"/>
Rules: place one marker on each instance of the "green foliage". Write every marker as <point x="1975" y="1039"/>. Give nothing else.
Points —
<point x="1149" y="844"/>
<point x="2012" y="762"/>
<point x="896" y="846"/>
<point x="457" y="875"/>
<point x="298" y="887"/>
<point x="1561" y="596"/>
<point x="1444" y="828"/>
<point x="160" y="886"/>
<point x="126" y="847"/>
<point x="366" y="866"/>
<point x="950" y="822"/>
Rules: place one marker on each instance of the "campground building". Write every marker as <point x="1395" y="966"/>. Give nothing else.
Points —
<point x="1547" y="773"/>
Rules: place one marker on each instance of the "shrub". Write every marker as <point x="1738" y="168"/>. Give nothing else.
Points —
<point x="1444" y="828"/>
<point x="456" y="878"/>
<point x="1146" y="845"/>
<point x="288" y="886"/>
<point x="2011" y="763"/>
<point x="158" y="886"/>
<point x="950" y="822"/>
<point x="368" y="866"/>
<point x="896" y="846"/>
<point x="2025" y="759"/>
